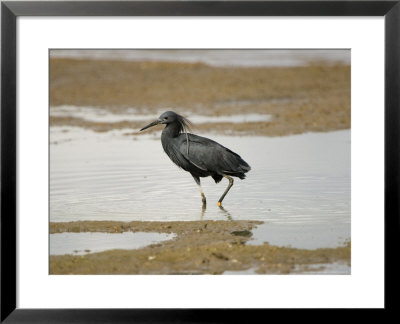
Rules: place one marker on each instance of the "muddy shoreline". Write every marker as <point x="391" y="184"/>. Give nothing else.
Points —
<point x="200" y="247"/>
<point x="300" y="99"/>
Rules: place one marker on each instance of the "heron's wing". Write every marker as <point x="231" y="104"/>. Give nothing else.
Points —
<point x="198" y="153"/>
<point x="208" y="155"/>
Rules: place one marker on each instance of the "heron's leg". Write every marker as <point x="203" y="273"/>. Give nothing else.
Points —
<point x="203" y="197"/>
<point x="226" y="190"/>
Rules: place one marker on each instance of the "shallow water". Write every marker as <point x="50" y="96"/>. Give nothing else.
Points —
<point x="302" y="235"/>
<point x="299" y="185"/>
<point x="335" y="268"/>
<point x="84" y="243"/>
<point x="221" y="57"/>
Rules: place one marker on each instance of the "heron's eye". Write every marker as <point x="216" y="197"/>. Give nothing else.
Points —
<point x="166" y="118"/>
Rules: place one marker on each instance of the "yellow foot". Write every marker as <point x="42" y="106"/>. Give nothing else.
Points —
<point x="219" y="203"/>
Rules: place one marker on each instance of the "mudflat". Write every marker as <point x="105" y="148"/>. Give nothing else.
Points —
<point x="299" y="99"/>
<point x="200" y="247"/>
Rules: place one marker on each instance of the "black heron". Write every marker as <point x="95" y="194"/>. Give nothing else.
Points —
<point x="198" y="155"/>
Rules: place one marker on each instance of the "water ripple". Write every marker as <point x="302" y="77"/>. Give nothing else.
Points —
<point x="126" y="180"/>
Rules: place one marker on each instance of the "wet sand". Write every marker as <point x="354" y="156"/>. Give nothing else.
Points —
<point x="300" y="99"/>
<point x="200" y="247"/>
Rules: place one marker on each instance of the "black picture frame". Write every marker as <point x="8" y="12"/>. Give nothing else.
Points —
<point x="390" y="10"/>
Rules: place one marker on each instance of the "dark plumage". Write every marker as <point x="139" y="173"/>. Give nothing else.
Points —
<point x="198" y="155"/>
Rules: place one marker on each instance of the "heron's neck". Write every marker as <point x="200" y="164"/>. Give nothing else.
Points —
<point x="171" y="130"/>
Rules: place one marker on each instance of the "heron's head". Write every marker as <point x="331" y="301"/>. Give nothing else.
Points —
<point x="169" y="117"/>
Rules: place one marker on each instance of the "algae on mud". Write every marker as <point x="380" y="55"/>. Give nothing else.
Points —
<point x="300" y="99"/>
<point x="200" y="247"/>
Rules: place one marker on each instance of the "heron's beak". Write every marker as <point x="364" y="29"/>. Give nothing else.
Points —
<point x="154" y="123"/>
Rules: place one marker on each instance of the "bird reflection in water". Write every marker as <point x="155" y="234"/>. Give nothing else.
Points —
<point x="227" y="214"/>
<point x="224" y="211"/>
